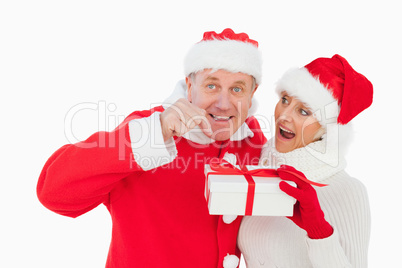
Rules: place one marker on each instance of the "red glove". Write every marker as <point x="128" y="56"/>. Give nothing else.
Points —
<point x="307" y="212"/>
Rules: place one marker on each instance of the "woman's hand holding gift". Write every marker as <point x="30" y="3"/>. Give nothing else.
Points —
<point x="307" y="210"/>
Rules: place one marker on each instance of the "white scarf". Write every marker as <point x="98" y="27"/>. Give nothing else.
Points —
<point x="318" y="160"/>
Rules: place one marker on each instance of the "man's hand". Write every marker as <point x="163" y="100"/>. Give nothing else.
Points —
<point x="181" y="117"/>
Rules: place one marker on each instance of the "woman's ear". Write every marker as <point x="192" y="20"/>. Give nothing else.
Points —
<point x="319" y="134"/>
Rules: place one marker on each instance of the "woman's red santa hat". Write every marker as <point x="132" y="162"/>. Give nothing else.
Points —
<point x="326" y="81"/>
<point x="228" y="51"/>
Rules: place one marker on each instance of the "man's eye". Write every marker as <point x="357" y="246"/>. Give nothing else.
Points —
<point x="211" y="86"/>
<point x="237" y="89"/>
<point x="284" y="100"/>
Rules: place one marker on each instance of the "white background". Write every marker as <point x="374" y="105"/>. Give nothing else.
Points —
<point x="121" y="56"/>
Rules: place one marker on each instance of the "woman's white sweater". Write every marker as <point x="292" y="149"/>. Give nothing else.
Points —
<point x="278" y="242"/>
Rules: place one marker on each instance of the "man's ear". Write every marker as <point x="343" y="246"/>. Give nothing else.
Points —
<point x="189" y="84"/>
<point x="252" y="95"/>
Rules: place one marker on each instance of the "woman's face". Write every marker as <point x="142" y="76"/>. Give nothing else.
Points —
<point x="295" y="124"/>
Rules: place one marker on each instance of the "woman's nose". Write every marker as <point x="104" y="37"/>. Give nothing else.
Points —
<point x="286" y="114"/>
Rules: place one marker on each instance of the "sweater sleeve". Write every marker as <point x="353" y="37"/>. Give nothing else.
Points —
<point x="78" y="177"/>
<point x="347" y="210"/>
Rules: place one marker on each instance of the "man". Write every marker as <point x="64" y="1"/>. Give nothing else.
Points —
<point x="149" y="171"/>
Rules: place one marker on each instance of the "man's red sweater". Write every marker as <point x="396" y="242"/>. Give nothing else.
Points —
<point x="160" y="216"/>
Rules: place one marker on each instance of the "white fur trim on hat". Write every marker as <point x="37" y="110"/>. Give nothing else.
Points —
<point x="299" y="83"/>
<point x="229" y="55"/>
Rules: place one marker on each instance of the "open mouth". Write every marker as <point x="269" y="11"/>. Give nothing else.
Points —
<point x="287" y="134"/>
<point x="220" y="118"/>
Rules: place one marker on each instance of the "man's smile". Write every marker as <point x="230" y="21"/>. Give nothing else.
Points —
<point x="220" y="118"/>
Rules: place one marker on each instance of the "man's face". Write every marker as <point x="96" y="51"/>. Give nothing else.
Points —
<point x="225" y="96"/>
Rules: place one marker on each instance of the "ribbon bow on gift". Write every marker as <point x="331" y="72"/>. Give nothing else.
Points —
<point x="223" y="167"/>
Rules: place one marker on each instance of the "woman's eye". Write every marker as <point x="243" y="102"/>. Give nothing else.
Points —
<point x="284" y="100"/>
<point x="237" y="89"/>
<point x="304" y="112"/>
<point x="211" y="86"/>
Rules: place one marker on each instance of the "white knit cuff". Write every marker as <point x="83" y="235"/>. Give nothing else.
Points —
<point x="327" y="252"/>
<point x="147" y="143"/>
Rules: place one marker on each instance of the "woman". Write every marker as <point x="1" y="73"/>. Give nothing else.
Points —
<point x="331" y="224"/>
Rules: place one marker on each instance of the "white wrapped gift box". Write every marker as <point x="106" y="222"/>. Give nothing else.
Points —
<point x="227" y="194"/>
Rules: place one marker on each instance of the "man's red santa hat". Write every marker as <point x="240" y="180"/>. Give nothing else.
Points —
<point x="228" y="51"/>
<point x="326" y="81"/>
